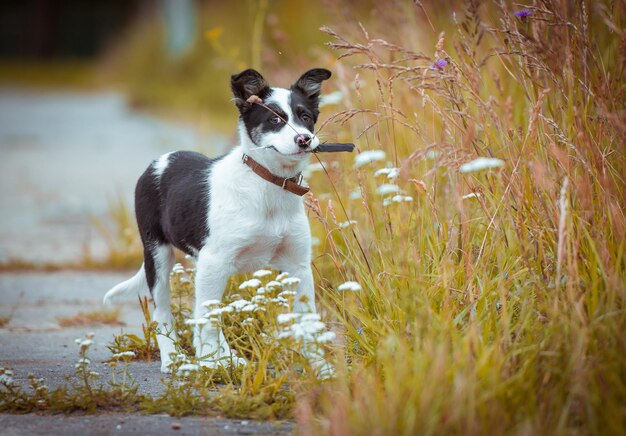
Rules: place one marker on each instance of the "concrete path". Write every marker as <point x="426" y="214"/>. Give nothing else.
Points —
<point x="120" y="424"/>
<point x="33" y="342"/>
<point x="65" y="157"/>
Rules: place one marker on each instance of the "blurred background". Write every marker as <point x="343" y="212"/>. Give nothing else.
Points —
<point x="92" y="91"/>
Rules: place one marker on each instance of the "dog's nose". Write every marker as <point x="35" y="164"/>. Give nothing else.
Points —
<point x="302" y="140"/>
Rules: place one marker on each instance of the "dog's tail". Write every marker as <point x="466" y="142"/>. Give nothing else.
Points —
<point x="137" y="284"/>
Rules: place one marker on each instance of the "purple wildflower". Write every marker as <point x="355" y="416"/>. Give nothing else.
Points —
<point x="523" y="13"/>
<point x="439" y="64"/>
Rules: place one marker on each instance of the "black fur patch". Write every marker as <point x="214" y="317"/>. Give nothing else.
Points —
<point x="306" y="110"/>
<point x="174" y="208"/>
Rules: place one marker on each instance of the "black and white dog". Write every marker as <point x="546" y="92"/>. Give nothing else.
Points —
<point x="236" y="213"/>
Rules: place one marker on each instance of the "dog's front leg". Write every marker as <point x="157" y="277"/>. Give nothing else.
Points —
<point x="212" y="274"/>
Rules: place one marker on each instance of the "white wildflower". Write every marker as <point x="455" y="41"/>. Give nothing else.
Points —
<point x="215" y="313"/>
<point x="211" y="303"/>
<point x="199" y="321"/>
<point x="188" y="367"/>
<point x="326" y="337"/>
<point x="248" y="321"/>
<point x="6" y="377"/>
<point x="368" y="156"/>
<point x="260" y="291"/>
<point x="281" y="276"/>
<point x="252" y="283"/>
<point x="262" y="273"/>
<point x="258" y="299"/>
<point x="287" y="294"/>
<point x="123" y="354"/>
<point x="274" y="285"/>
<point x="243" y="306"/>
<point x="349" y="286"/>
<point x="284" y="318"/>
<point x="481" y="163"/>
<point x="345" y="224"/>
<point x="391" y="173"/>
<point x="306" y="330"/>
<point x="290" y="281"/>
<point x="278" y="300"/>
<point x="471" y="195"/>
<point x="397" y="199"/>
<point x="178" y="269"/>
<point x="387" y="188"/>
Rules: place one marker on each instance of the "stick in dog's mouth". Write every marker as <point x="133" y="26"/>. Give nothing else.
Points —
<point x="327" y="147"/>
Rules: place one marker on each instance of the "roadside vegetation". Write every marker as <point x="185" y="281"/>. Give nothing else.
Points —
<point x="470" y="258"/>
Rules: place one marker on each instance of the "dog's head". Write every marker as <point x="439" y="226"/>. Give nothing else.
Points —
<point x="280" y="126"/>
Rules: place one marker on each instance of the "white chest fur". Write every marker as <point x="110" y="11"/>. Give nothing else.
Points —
<point x="250" y="220"/>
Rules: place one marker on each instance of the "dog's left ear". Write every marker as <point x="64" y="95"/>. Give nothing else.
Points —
<point x="310" y="83"/>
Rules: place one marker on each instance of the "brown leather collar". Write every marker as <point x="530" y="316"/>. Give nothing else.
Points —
<point x="291" y="184"/>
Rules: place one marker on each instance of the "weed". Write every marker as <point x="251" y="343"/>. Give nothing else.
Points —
<point x="82" y="395"/>
<point x="142" y="348"/>
<point x="110" y="317"/>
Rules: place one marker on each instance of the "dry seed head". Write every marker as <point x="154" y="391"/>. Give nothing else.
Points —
<point x="440" y="41"/>
<point x="254" y="99"/>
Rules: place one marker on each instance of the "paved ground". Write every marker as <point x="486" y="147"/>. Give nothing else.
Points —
<point x="115" y="423"/>
<point x="33" y="342"/>
<point x="64" y="157"/>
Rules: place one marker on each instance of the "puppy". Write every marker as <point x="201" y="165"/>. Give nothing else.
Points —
<point x="235" y="213"/>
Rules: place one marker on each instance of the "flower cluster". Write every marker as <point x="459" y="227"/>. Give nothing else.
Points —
<point x="349" y="286"/>
<point x="481" y="163"/>
<point x="6" y="377"/>
<point x="82" y="365"/>
<point x="368" y="156"/>
<point x="304" y="327"/>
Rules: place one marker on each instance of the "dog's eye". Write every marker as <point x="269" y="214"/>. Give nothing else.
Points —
<point x="276" y="120"/>
<point x="305" y="118"/>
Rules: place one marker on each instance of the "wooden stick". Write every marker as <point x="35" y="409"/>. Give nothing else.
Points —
<point x="333" y="147"/>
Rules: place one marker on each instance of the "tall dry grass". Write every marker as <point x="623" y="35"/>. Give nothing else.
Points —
<point x="494" y="302"/>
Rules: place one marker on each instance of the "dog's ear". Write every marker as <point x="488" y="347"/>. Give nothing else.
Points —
<point x="247" y="83"/>
<point x="310" y="83"/>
